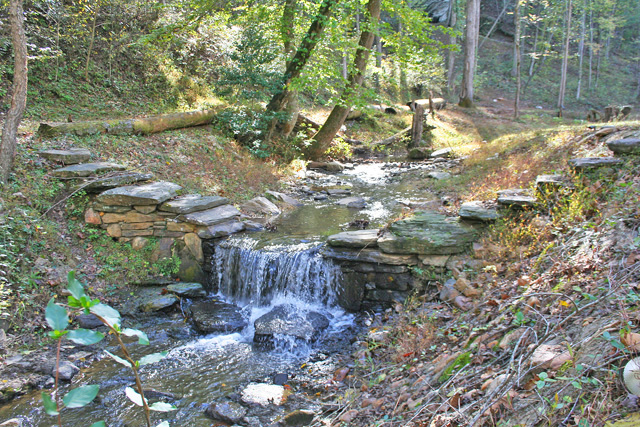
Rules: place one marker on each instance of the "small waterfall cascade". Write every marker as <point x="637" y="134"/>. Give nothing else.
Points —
<point x="295" y="272"/>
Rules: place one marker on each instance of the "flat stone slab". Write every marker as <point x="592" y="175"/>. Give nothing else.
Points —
<point x="368" y="255"/>
<point x="221" y="230"/>
<point x="192" y="203"/>
<point x="188" y="290"/>
<point x="479" y="211"/>
<point x="260" y="206"/>
<point x="352" y="202"/>
<point x="71" y="156"/>
<point x="444" y="152"/>
<point x="284" y="198"/>
<point x="593" y="162"/>
<point x="516" y="197"/>
<point x="550" y="183"/>
<point x="212" y="216"/>
<point x="625" y="146"/>
<point x="87" y="169"/>
<point x="125" y="178"/>
<point x="158" y="303"/>
<point x="338" y="192"/>
<point x="217" y="316"/>
<point x="140" y="195"/>
<point x="427" y="233"/>
<point x="355" y="239"/>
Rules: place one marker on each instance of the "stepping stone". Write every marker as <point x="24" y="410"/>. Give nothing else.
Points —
<point x="479" y="211"/>
<point x="625" y="146"/>
<point x="355" y="239"/>
<point x="189" y="290"/>
<point x="224" y="229"/>
<point x="71" y="156"/>
<point x="87" y="169"/>
<point x="593" y="162"/>
<point x="352" y="202"/>
<point x="192" y="203"/>
<point x="445" y="152"/>
<point x="550" y="183"/>
<point x="217" y="316"/>
<point x="126" y="178"/>
<point x="159" y="302"/>
<point x="140" y="195"/>
<point x="212" y="216"/>
<point x="518" y="198"/>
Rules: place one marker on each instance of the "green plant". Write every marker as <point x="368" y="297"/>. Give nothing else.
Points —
<point x="167" y="266"/>
<point x="57" y="318"/>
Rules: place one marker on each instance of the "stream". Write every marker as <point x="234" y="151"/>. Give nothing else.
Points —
<point x="256" y="271"/>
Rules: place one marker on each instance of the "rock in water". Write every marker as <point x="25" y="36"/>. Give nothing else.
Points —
<point x="288" y="320"/>
<point x="228" y="412"/>
<point x="217" y="316"/>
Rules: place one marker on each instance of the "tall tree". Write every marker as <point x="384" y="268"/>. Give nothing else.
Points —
<point x="583" y="30"/>
<point x="322" y="139"/>
<point x="451" y="41"/>
<point x="470" y="47"/>
<point x="19" y="96"/>
<point x="565" y="59"/>
<point x="518" y="60"/>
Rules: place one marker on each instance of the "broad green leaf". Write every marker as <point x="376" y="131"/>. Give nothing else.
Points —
<point x="81" y="396"/>
<point x="152" y="358"/>
<point x="162" y="407"/>
<point x="163" y="424"/>
<point x="49" y="405"/>
<point x="142" y="337"/>
<point x="119" y="359"/>
<point x="109" y="314"/>
<point x="85" y="336"/>
<point x="74" y="286"/>
<point x="577" y="385"/>
<point x="57" y="334"/>
<point x="133" y="396"/>
<point x="98" y="424"/>
<point x="73" y="301"/>
<point x="56" y="316"/>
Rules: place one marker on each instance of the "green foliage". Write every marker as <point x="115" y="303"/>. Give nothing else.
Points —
<point x="460" y="362"/>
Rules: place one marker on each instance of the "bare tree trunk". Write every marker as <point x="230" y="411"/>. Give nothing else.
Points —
<point x="583" y="25"/>
<point x="19" y="87"/>
<point x="323" y="138"/>
<point x="91" y="41"/>
<point x="565" y="60"/>
<point x="471" y="44"/>
<point x="417" y="125"/>
<point x="378" y="42"/>
<point x="590" y="48"/>
<point x="516" y="104"/>
<point x="533" y="51"/>
<point x="451" y="54"/>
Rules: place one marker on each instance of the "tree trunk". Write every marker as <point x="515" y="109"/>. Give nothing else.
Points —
<point x="471" y="44"/>
<point x="534" y="50"/>
<point x="19" y="87"/>
<point x="417" y="126"/>
<point x="451" y="54"/>
<point x="583" y="25"/>
<point x="288" y="35"/>
<point x="91" y="41"/>
<point x="495" y="24"/>
<point x="323" y="138"/>
<point x="590" y="49"/>
<point x="565" y="60"/>
<point x="516" y="104"/>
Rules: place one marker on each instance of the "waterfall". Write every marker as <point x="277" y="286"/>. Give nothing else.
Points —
<point x="276" y="272"/>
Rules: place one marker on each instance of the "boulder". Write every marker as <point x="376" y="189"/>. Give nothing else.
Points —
<point x="334" y="167"/>
<point x="158" y="302"/>
<point x="284" y="198"/>
<point x="352" y="202"/>
<point x="290" y="321"/>
<point x="214" y="316"/>
<point x="516" y="198"/>
<point x="260" y="206"/>
<point x="444" y="152"/>
<point x="298" y="418"/>
<point x="192" y="203"/>
<point x="221" y="230"/>
<point x="419" y="153"/>
<point x="479" y="211"/>
<point x="427" y="233"/>
<point x="227" y="412"/>
<point x="125" y="178"/>
<point x="212" y="216"/>
<point x="66" y="370"/>
<point x="71" y="156"/>
<point x="263" y="394"/>
<point x="439" y="175"/>
<point x="188" y="290"/>
<point x="142" y="195"/>
<point x="625" y="146"/>
<point x="86" y="169"/>
<point x="355" y="239"/>
<point x="586" y="163"/>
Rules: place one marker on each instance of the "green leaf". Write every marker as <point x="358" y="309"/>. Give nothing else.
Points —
<point x="74" y="286"/>
<point x="577" y="385"/>
<point x="81" y="396"/>
<point x="73" y="302"/>
<point x="56" y="316"/>
<point x="57" y="334"/>
<point x="98" y="424"/>
<point x="152" y="358"/>
<point x="109" y="314"/>
<point x="133" y="396"/>
<point x="119" y="359"/>
<point x="540" y="384"/>
<point x="49" y="405"/>
<point x="85" y="336"/>
<point x="162" y="407"/>
<point x="543" y="375"/>
<point x="142" y="337"/>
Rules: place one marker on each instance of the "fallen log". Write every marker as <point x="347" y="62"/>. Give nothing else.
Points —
<point x="142" y="126"/>
<point x="394" y="138"/>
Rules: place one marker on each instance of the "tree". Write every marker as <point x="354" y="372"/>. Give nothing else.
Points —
<point x="322" y="139"/>
<point x="19" y="97"/>
<point x="565" y="59"/>
<point x="518" y="59"/>
<point x="472" y="31"/>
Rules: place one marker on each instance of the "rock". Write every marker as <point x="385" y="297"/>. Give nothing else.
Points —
<point x="188" y="290"/>
<point x="148" y="194"/>
<point x="587" y="163"/>
<point x="114" y="230"/>
<point x="316" y="165"/>
<point x="479" y="211"/>
<point x="263" y="394"/>
<point x="190" y="268"/>
<point x="298" y="418"/>
<point x="66" y="370"/>
<point x="158" y="302"/>
<point x="631" y="376"/>
<point x="352" y="202"/>
<point x="281" y="197"/>
<point x="194" y="244"/>
<point x="463" y="286"/>
<point x="220" y="230"/>
<point x="192" y="203"/>
<point x="71" y="156"/>
<point x="355" y="239"/>
<point x="445" y="152"/>
<point x="212" y="216"/>
<point x="289" y="320"/>
<point x="88" y="321"/>
<point x="439" y="175"/>
<point x="435" y="260"/>
<point x="217" y="316"/>
<point x="334" y="167"/>
<point x="253" y="226"/>
<point x="516" y="198"/>
<point x="13" y="422"/>
<point x="338" y="192"/>
<point x="625" y="146"/>
<point x="100" y="207"/>
<point x="463" y="303"/>
<point x="147" y="209"/>
<point x="92" y="217"/>
<point x="448" y="292"/>
<point x="320" y="197"/>
<point x="86" y="169"/>
<point x="280" y="379"/>
<point x="548" y="356"/>
<point x="546" y="184"/>
<point x="368" y="255"/>
<point x="129" y="218"/>
<point x="260" y="206"/>
<point x="139" y="243"/>
<point x="228" y="412"/>
<point x="427" y="233"/>
<point x="419" y="153"/>
<point x="125" y="178"/>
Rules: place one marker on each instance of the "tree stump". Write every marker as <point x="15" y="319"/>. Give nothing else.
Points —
<point x="417" y="125"/>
